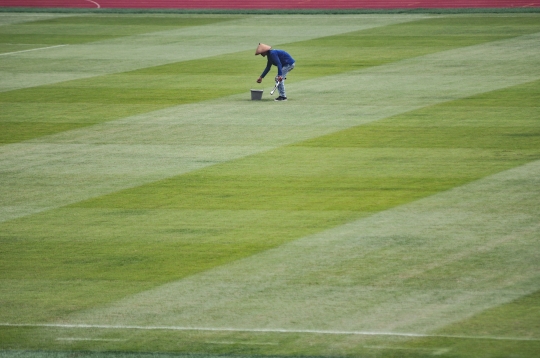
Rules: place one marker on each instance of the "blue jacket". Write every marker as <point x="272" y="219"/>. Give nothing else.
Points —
<point x="277" y="58"/>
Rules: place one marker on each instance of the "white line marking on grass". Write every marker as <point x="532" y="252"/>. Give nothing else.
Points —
<point x="403" y="348"/>
<point x="93" y="2"/>
<point x="33" y="49"/>
<point x="434" y="351"/>
<point x="243" y="343"/>
<point x="263" y="330"/>
<point x="74" y="339"/>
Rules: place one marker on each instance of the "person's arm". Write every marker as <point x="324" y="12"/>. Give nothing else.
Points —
<point x="266" y="70"/>
<point x="268" y="66"/>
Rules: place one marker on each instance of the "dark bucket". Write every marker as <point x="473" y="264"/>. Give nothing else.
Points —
<point x="256" y="94"/>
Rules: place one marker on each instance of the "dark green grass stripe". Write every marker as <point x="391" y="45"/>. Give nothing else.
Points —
<point x="382" y="45"/>
<point x="241" y="207"/>
<point x="521" y="317"/>
<point x="85" y="29"/>
<point x="115" y="96"/>
<point x="366" y="168"/>
<point x="99" y="250"/>
<point x="501" y="121"/>
<point x="137" y="23"/>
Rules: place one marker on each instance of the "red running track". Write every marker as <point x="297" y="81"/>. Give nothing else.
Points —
<point x="271" y="4"/>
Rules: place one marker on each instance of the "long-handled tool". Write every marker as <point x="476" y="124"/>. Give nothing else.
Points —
<point x="275" y="87"/>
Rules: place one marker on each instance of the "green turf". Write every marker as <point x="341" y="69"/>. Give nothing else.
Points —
<point x="262" y="201"/>
<point x="378" y="46"/>
<point x="370" y="167"/>
<point x="88" y="101"/>
<point x="77" y="260"/>
<point x="520" y="317"/>
<point x="84" y="29"/>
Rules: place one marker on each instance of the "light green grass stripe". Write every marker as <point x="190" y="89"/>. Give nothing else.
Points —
<point x="76" y="165"/>
<point x="31" y="49"/>
<point x="19" y="18"/>
<point x="85" y="29"/>
<point x="412" y="269"/>
<point x="158" y="48"/>
<point x="45" y="110"/>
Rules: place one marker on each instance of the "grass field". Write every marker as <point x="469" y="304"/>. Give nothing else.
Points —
<point x="149" y="208"/>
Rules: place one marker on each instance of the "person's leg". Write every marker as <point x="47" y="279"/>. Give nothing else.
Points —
<point x="281" y="86"/>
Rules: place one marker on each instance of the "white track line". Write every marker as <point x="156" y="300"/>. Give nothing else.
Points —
<point x="33" y="49"/>
<point x="95" y="3"/>
<point x="263" y="330"/>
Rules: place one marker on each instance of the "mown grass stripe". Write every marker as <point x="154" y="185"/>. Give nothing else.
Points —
<point x="33" y="49"/>
<point x="420" y="152"/>
<point x="229" y="129"/>
<point x="237" y="209"/>
<point x="74" y="261"/>
<point x="85" y="29"/>
<point x="414" y="268"/>
<point x="150" y="49"/>
<point x="111" y="97"/>
<point x="253" y="330"/>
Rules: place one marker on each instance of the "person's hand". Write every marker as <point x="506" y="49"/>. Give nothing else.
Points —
<point x="279" y="78"/>
<point x="259" y="80"/>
